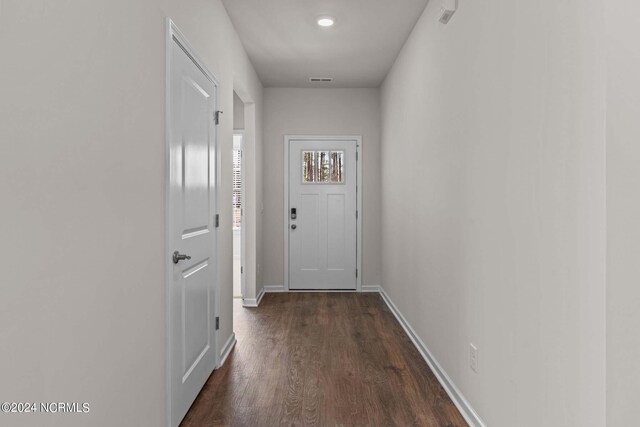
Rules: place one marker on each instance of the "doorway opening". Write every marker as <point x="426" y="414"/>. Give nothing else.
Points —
<point x="238" y="198"/>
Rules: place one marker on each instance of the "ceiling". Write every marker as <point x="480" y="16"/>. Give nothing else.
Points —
<point x="287" y="47"/>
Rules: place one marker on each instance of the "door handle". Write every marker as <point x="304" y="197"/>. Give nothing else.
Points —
<point x="293" y="226"/>
<point x="177" y="257"/>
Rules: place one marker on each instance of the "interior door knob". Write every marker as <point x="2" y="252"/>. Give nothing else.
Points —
<point x="177" y="257"/>
<point x="293" y="226"/>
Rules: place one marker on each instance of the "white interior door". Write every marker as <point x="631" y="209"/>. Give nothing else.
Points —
<point x="192" y="198"/>
<point x="322" y="214"/>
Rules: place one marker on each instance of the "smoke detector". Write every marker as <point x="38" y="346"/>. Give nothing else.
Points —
<point x="447" y="10"/>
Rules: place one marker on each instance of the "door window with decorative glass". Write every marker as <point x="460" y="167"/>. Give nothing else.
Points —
<point x="323" y="167"/>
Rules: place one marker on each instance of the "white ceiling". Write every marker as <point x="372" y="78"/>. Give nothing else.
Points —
<point x="286" y="46"/>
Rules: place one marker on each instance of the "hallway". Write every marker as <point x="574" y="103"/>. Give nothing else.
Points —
<point x="322" y="359"/>
<point x="464" y="171"/>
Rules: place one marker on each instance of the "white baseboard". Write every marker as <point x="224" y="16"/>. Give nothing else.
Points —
<point x="253" y="302"/>
<point x="228" y="346"/>
<point x="469" y="414"/>
<point x="260" y="295"/>
<point x="280" y="288"/>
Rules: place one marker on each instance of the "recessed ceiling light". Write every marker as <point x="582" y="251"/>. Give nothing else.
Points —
<point x="326" y="21"/>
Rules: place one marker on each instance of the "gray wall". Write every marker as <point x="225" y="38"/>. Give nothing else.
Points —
<point x="320" y="112"/>
<point x="623" y="214"/>
<point x="82" y="178"/>
<point x="493" y="152"/>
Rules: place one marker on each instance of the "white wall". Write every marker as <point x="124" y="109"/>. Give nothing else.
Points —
<point x="623" y="213"/>
<point x="320" y="112"/>
<point x="493" y="153"/>
<point x="82" y="101"/>
<point x="238" y="112"/>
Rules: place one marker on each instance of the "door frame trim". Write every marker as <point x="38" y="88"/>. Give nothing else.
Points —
<point x="172" y="32"/>
<point x="358" y="141"/>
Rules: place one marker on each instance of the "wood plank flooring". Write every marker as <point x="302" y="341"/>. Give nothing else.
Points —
<point x="322" y="359"/>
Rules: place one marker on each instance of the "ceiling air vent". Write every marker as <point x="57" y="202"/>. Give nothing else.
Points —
<point x="320" y="79"/>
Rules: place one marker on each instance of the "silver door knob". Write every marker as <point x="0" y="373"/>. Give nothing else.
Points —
<point x="293" y="226"/>
<point x="177" y="257"/>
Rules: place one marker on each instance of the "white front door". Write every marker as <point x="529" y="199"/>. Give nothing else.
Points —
<point x="191" y="240"/>
<point x="322" y="214"/>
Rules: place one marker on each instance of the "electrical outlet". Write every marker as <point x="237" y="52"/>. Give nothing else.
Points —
<point x="473" y="357"/>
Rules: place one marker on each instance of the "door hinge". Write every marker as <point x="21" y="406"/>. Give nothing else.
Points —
<point x="217" y="220"/>
<point x="356" y="272"/>
<point x="356" y="156"/>
<point x="217" y="323"/>
<point x="356" y="214"/>
<point x="216" y="117"/>
<point x="241" y="270"/>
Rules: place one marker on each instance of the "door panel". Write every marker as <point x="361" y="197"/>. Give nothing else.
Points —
<point x="195" y="298"/>
<point x="308" y="244"/>
<point x="322" y="237"/>
<point x="195" y="120"/>
<point x="336" y="242"/>
<point x="192" y="346"/>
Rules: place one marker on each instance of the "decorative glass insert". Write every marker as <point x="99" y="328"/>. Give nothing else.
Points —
<point x="322" y="167"/>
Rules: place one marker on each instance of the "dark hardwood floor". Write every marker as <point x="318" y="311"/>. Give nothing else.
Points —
<point x="322" y="359"/>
